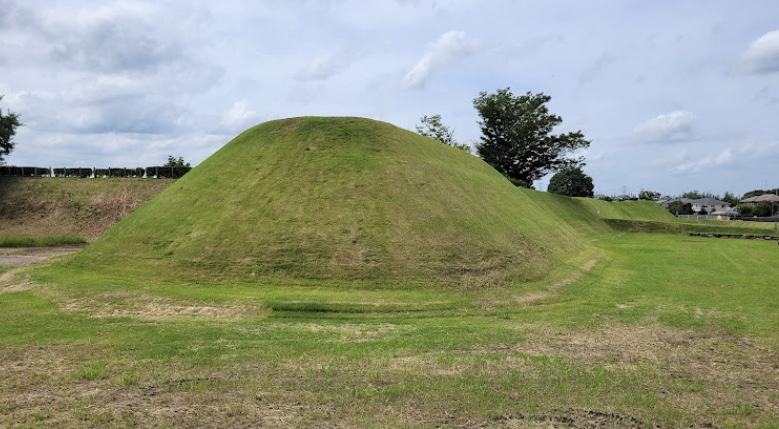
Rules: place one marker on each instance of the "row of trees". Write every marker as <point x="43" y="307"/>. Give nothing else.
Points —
<point x="517" y="140"/>
<point x="161" y="171"/>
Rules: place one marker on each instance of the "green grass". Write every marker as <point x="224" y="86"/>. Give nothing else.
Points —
<point x="615" y="318"/>
<point x="627" y="210"/>
<point x="344" y="200"/>
<point x="39" y="241"/>
<point x="634" y="339"/>
<point x="714" y="227"/>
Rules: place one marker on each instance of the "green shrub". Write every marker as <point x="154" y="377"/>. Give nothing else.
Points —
<point x="747" y="210"/>
<point x="765" y="209"/>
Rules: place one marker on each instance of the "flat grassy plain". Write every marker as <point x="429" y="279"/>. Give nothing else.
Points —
<point x="651" y="330"/>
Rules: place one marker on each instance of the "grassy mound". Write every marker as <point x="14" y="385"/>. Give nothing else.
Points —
<point x="348" y="200"/>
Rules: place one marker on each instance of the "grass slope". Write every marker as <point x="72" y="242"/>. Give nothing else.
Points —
<point x="628" y="210"/>
<point x="344" y="199"/>
<point x="52" y="210"/>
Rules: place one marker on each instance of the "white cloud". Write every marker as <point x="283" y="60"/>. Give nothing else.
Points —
<point x="154" y="77"/>
<point x="743" y="156"/>
<point x="763" y="54"/>
<point x="239" y="117"/>
<point x="670" y="126"/>
<point x="449" y="48"/>
<point x="319" y="68"/>
<point x="723" y="158"/>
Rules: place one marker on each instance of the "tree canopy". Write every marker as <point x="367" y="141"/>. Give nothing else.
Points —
<point x="434" y="128"/>
<point x="173" y="162"/>
<point x="571" y="181"/>
<point x="517" y="137"/>
<point x="731" y="198"/>
<point x="695" y="195"/>
<point x="8" y="124"/>
<point x="648" y="195"/>
<point x="677" y="207"/>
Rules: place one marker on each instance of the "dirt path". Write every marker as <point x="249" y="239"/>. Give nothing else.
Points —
<point x="31" y="255"/>
<point x="19" y="257"/>
<point x="535" y="296"/>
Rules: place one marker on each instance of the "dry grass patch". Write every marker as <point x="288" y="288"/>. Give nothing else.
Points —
<point x="153" y="308"/>
<point x="355" y="333"/>
<point x="710" y="372"/>
<point x="36" y="207"/>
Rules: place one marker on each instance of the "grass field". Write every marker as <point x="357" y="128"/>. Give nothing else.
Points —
<point x="618" y="320"/>
<point x="661" y="331"/>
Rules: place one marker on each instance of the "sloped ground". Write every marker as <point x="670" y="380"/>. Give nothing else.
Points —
<point x="347" y="200"/>
<point x="46" y="207"/>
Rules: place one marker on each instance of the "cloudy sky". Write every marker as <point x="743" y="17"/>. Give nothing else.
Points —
<point x="675" y="95"/>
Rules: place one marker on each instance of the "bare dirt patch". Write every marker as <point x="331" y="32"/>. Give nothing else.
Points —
<point x="570" y="419"/>
<point x="31" y="255"/>
<point x="7" y="285"/>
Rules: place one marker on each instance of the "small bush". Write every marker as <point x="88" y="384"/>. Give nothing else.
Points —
<point x="746" y="210"/>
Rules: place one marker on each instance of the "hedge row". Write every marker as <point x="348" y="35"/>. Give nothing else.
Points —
<point x="160" y="172"/>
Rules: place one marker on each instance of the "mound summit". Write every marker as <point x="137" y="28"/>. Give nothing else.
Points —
<point x="341" y="199"/>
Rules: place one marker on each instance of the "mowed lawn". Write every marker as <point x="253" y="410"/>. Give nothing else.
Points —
<point x="647" y="330"/>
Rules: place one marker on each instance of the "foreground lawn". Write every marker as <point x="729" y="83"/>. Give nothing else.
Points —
<point x="646" y="330"/>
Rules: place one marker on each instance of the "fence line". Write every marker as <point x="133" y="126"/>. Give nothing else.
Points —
<point x="703" y="217"/>
<point x="158" y="172"/>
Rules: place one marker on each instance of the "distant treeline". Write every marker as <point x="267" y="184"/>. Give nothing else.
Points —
<point x="158" y="172"/>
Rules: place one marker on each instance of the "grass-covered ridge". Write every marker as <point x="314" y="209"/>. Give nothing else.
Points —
<point x="628" y="210"/>
<point x="345" y="199"/>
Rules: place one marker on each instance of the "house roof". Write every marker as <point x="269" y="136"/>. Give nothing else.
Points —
<point x="708" y="202"/>
<point x="698" y="202"/>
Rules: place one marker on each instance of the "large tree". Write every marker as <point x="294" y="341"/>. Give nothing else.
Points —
<point x="731" y="198"/>
<point x="571" y="181"/>
<point x="8" y="124"/>
<point x="517" y="137"/>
